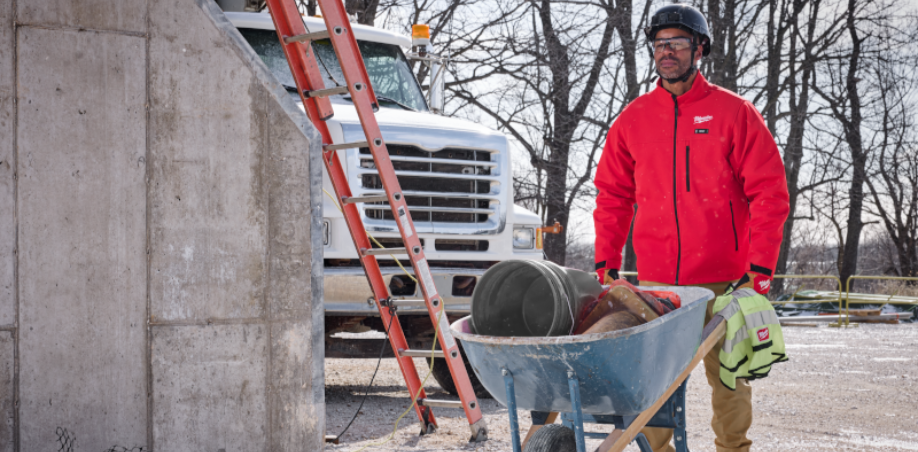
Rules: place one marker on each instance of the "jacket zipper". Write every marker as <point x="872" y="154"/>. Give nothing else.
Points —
<point x="688" y="167"/>
<point x="675" y="189"/>
<point x="733" y="223"/>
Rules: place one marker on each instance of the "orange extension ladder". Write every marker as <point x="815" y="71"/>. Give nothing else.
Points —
<point x="296" y="41"/>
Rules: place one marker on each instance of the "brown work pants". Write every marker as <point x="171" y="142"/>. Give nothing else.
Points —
<point x="732" y="409"/>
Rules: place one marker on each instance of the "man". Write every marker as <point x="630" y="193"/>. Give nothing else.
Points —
<point x="705" y="171"/>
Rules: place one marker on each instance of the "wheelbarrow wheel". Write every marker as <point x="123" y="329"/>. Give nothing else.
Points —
<point x="445" y="379"/>
<point x="552" y="438"/>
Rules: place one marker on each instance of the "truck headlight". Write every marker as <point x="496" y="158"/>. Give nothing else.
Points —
<point x="523" y="237"/>
<point x="326" y="233"/>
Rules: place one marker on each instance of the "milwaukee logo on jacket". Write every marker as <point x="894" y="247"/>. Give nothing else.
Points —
<point x="708" y="181"/>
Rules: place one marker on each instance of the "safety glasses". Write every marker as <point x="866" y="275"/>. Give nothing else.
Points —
<point x="675" y="44"/>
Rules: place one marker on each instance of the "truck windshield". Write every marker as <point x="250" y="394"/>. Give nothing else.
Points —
<point x="392" y="80"/>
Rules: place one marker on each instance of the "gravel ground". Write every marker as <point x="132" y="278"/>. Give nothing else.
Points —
<point x="850" y="389"/>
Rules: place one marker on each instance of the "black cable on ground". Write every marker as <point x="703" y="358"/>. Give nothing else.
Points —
<point x="382" y="351"/>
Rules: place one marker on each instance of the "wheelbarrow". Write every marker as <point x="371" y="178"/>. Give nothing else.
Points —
<point x="620" y="377"/>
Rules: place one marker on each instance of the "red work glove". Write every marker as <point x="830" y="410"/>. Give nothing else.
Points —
<point x="755" y="281"/>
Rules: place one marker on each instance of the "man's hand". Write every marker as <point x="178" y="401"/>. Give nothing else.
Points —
<point x="755" y="281"/>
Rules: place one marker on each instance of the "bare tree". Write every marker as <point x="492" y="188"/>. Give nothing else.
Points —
<point x="731" y="23"/>
<point x="801" y="75"/>
<point x="864" y="21"/>
<point x="544" y="67"/>
<point x="893" y="183"/>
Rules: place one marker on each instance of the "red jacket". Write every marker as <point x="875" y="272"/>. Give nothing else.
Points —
<point x="712" y="197"/>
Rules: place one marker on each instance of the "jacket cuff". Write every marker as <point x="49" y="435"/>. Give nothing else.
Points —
<point x="761" y="270"/>
<point x="602" y="272"/>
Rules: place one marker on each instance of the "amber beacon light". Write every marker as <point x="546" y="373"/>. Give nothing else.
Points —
<point x="420" y="35"/>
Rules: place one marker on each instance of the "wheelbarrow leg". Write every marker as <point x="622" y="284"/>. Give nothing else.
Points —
<point x="511" y="410"/>
<point x="577" y="411"/>
<point x="680" y="438"/>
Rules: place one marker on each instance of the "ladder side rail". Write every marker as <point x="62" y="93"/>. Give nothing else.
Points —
<point x="298" y="58"/>
<point x="364" y="100"/>
<point x="374" y="275"/>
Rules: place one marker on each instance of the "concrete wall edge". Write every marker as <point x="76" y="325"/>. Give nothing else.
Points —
<point x="280" y="94"/>
<point x="264" y="75"/>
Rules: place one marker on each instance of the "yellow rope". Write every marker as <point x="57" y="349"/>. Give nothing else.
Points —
<point x="414" y="399"/>
<point x="373" y="239"/>
<point x="433" y="348"/>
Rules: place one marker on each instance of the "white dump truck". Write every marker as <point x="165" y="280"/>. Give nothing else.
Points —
<point x="456" y="176"/>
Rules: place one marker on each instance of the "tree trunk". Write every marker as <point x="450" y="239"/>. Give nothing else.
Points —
<point x="793" y="151"/>
<point x="775" y="37"/>
<point x="556" y="207"/>
<point x="556" y="171"/>
<point x="364" y="9"/>
<point x="565" y="121"/>
<point x="858" y="156"/>
<point x="629" y="50"/>
<point x="308" y="6"/>
<point x="722" y="61"/>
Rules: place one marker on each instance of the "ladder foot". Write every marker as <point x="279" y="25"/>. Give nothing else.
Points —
<point x="479" y="431"/>
<point x="429" y="430"/>
<point x="430" y="426"/>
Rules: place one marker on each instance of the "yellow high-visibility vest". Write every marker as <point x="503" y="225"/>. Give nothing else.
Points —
<point x="753" y="341"/>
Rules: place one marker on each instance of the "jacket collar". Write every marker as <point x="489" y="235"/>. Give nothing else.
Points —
<point x="699" y="90"/>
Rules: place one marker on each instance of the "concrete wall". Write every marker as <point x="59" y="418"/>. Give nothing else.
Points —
<point x="157" y="223"/>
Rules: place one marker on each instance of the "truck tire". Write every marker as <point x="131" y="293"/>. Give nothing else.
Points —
<point x="552" y="438"/>
<point x="445" y="379"/>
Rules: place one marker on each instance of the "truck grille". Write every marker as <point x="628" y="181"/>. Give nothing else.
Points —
<point x="449" y="186"/>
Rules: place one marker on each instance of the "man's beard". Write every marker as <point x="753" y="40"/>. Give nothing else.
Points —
<point x="681" y="73"/>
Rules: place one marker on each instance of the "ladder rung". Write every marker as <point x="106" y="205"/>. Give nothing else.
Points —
<point x="421" y="353"/>
<point x="440" y="403"/>
<point x="407" y="302"/>
<point x="335" y="147"/>
<point x="307" y="37"/>
<point x="326" y="92"/>
<point x="374" y="198"/>
<point x="384" y="251"/>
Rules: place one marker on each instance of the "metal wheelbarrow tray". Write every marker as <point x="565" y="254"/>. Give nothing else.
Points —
<point x="622" y="373"/>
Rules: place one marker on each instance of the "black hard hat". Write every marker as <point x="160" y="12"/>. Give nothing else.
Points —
<point x="680" y="15"/>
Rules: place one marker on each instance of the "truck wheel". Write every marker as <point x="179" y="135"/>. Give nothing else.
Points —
<point x="552" y="438"/>
<point x="445" y="379"/>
